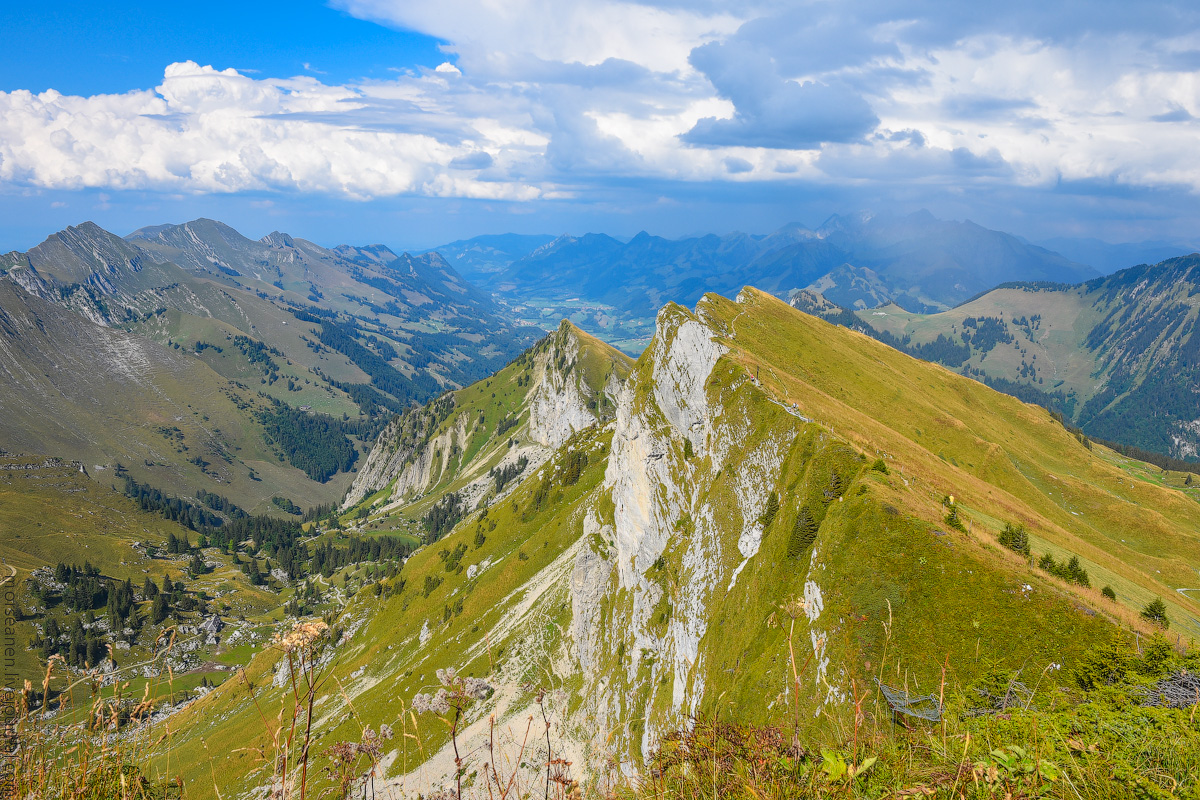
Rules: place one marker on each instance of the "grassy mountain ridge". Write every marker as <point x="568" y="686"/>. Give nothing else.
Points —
<point x="109" y="397"/>
<point x="1117" y="355"/>
<point x="645" y="566"/>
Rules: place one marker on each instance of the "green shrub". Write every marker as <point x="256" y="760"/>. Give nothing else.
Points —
<point x="1104" y="665"/>
<point x="804" y="533"/>
<point x="834" y="489"/>
<point x="160" y="609"/>
<point x="1071" y="571"/>
<point x="1157" y="656"/>
<point x="769" y="513"/>
<point x="1015" y="539"/>
<point x="953" y="521"/>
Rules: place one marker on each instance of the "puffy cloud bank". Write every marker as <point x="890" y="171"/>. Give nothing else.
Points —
<point x="542" y="99"/>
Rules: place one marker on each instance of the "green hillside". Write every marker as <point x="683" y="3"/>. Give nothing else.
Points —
<point x="772" y="493"/>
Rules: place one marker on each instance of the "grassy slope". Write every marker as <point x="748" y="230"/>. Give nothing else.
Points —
<point x="1063" y="363"/>
<point x="54" y="513"/>
<point x="1079" y="348"/>
<point x="50" y="512"/>
<point x="884" y="553"/>
<point x="1004" y="460"/>
<point x="101" y="395"/>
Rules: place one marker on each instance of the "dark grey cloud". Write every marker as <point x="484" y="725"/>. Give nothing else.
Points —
<point x="770" y="110"/>
<point x="737" y="166"/>
<point x="477" y="160"/>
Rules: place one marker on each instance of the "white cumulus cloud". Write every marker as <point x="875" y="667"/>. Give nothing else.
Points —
<point x="209" y="130"/>
<point x="542" y="99"/>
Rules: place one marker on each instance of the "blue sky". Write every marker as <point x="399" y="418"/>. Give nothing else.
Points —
<point x="414" y="122"/>
<point x="88" y="48"/>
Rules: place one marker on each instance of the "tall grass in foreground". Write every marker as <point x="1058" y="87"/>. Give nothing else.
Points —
<point x="65" y="747"/>
<point x="1124" y="726"/>
<point x="1121" y="725"/>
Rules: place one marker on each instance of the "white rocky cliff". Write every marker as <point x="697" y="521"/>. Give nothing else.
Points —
<point x="668" y="518"/>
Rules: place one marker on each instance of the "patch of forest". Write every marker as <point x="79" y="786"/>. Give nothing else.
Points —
<point x="317" y="444"/>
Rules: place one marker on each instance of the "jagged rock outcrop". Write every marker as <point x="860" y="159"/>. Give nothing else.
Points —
<point x="557" y="407"/>
<point x="664" y="499"/>
<point x="407" y="450"/>
<point x="568" y="382"/>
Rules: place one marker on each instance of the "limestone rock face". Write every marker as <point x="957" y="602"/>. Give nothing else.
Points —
<point x="405" y="453"/>
<point x="560" y="402"/>
<point x="663" y="501"/>
<point x="557" y="407"/>
<point x="589" y="582"/>
<point x="680" y="374"/>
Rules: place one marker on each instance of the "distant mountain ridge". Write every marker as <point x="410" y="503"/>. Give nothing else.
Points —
<point x="1119" y="356"/>
<point x="480" y="256"/>
<point x="1108" y="258"/>
<point x="613" y="288"/>
<point x="241" y="350"/>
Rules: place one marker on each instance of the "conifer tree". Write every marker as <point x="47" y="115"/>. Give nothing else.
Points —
<point x="1156" y="612"/>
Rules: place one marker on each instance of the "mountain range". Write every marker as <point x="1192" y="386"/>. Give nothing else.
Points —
<point x="295" y="498"/>
<point x="192" y="358"/>
<point x="625" y="547"/>
<point x="613" y="288"/>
